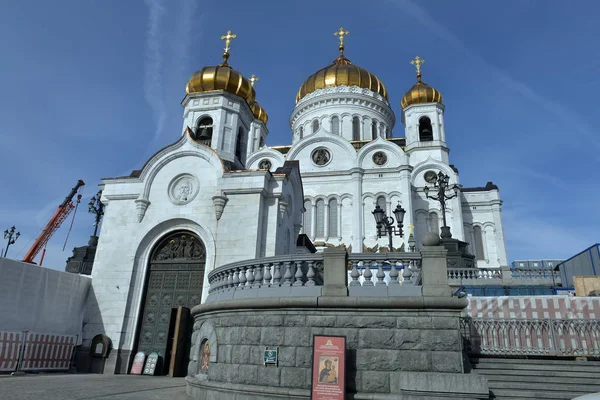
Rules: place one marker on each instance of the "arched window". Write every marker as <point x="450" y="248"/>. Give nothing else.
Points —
<point x="204" y="130"/>
<point x="478" y="236"/>
<point x="262" y="142"/>
<point x="374" y="130"/>
<point x="387" y="132"/>
<point x="383" y="205"/>
<point x="355" y="128"/>
<point x="315" y="126"/>
<point x="307" y="217"/>
<point x="335" y="125"/>
<point x="238" y="144"/>
<point x="425" y="131"/>
<point x="320" y="231"/>
<point x="301" y="132"/>
<point x="434" y="223"/>
<point x="333" y="218"/>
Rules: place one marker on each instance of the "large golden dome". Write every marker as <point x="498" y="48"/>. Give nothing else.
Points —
<point x="221" y="77"/>
<point x="420" y="92"/>
<point x="342" y="72"/>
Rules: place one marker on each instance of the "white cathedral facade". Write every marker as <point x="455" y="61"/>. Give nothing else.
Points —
<point x="220" y="194"/>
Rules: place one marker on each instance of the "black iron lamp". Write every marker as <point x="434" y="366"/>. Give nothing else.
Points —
<point x="387" y="223"/>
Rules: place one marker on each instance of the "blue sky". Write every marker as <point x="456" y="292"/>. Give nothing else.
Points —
<point x="91" y="89"/>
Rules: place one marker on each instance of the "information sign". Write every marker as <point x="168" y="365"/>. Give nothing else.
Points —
<point x="270" y="356"/>
<point x="151" y="363"/>
<point x="138" y="363"/>
<point x="328" y="373"/>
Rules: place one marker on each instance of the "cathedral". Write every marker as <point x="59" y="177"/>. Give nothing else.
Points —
<point x="220" y="194"/>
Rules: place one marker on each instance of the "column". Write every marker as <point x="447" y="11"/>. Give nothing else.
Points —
<point x="326" y="233"/>
<point x="406" y="202"/>
<point x="365" y="133"/>
<point x="441" y="125"/>
<point x="313" y="225"/>
<point x="500" y="244"/>
<point x="339" y="232"/>
<point x="357" y="205"/>
<point x="346" y="127"/>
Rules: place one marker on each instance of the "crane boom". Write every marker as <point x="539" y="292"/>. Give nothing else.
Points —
<point x="53" y="224"/>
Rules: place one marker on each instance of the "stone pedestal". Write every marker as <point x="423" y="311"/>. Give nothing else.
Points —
<point x="82" y="260"/>
<point x="335" y="275"/>
<point x="434" y="267"/>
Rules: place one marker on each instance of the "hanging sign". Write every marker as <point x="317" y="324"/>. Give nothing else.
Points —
<point x="328" y="373"/>
<point x="138" y="363"/>
<point x="151" y="363"/>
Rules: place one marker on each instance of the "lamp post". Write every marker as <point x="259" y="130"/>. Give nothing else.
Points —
<point x="387" y="223"/>
<point x="12" y="238"/>
<point x="96" y="207"/>
<point x="441" y="184"/>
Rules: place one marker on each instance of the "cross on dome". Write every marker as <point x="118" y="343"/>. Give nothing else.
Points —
<point x="253" y="79"/>
<point x="227" y="38"/>
<point x="417" y="62"/>
<point x="340" y="34"/>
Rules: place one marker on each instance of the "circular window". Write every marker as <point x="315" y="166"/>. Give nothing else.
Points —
<point x="265" y="164"/>
<point x="321" y="156"/>
<point x="379" y="158"/>
<point x="183" y="189"/>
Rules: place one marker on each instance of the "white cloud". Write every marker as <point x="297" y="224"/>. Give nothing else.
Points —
<point x="153" y="87"/>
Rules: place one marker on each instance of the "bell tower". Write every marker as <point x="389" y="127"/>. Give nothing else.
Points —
<point x="423" y="117"/>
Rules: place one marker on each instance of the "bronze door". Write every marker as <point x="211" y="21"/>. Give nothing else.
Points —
<point x="175" y="280"/>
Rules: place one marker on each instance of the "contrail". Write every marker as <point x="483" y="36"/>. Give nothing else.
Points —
<point x="153" y="88"/>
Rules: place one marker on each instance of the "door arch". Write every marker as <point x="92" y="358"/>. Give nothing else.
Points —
<point x="175" y="278"/>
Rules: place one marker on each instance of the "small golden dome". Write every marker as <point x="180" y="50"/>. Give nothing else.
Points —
<point x="420" y="92"/>
<point x="259" y="112"/>
<point x="221" y="77"/>
<point x="342" y="73"/>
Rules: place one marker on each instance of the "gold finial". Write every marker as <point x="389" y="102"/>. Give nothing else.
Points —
<point x="417" y="62"/>
<point x="253" y="79"/>
<point x="410" y="229"/>
<point x="227" y="38"/>
<point x="341" y="33"/>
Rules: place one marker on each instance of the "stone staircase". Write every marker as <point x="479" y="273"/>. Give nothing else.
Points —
<point x="520" y="379"/>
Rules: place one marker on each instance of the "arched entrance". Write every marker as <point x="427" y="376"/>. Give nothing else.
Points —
<point x="176" y="274"/>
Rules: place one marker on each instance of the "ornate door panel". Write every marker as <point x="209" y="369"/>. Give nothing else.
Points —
<point x="175" y="279"/>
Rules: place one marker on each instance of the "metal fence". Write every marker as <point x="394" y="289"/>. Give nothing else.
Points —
<point x="532" y="337"/>
<point x="31" y="351"/>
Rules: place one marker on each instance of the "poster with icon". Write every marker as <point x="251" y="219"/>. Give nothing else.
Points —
<point x="328" y="361"/>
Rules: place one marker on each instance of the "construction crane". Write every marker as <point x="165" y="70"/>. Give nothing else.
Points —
<point x="57" y="219"/>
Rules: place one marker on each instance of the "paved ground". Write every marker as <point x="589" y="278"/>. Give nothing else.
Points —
<point x="91" y="386"/>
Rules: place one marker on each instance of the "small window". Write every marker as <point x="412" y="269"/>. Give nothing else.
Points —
<point x="535" y="264"/>
<point x="335" y="125"/>
<point x="238" y="144"/>
<point x="479" y="243"/>
<point x="315" y="126"/>
<point x="301" y="132"/>
<point x="374" y="130"/>
<point x="320" y="209"/>
<point x="521" y="265"/>
<point x="355" y="128"/>
<point x="333" y="218"/>
<point x="425" y="130"/>
<point x="307" y="217"/>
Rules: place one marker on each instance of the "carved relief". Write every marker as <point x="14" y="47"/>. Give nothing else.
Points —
<point x="265" y="164"/>
<point x="183" y="189"/>
<point x="379" y="158"/>
<point x="205" y="356"/>
<point x="321" y="156"/>
<point x="180" y="247"/>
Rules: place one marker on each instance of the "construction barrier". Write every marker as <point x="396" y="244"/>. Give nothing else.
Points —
<point x="9" y="350"/>
<point x="31" y="351"/>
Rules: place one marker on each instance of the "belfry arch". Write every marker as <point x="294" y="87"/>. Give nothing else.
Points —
<point x="174" y="279"/>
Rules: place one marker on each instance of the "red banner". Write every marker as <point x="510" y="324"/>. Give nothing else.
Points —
<point x="329" y="361"/>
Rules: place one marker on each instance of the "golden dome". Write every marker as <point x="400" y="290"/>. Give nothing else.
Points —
<point x="420" y="92"/>
<point x="259" y="112"/>
<point x="342" y="72"/>
<point x="221" y="77"/>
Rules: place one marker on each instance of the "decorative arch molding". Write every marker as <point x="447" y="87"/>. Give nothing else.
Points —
<point x="381" y="144"/>
<point x="430" y="163"/>
<point x="206" y="334"/>
<point x="141" y="261"/>
<point x="266" y="152"/>
<point x="321" y="138"/>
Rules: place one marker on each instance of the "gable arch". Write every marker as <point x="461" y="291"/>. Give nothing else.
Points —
<point x="435" y="165"/>
<point x="322" y="138"/>
<point x="265" y="152"/>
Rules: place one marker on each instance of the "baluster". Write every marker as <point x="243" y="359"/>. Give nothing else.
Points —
<point x="393" y="274"/>
<point x="243" y="271"/>
<point x="277" y="274"/>
<point x="380" y="274"/>
<point x="406" y="274"/>
<point x="354" y="274"/>
<point x="299" y="275"/>
<point x="310" y="275"/>
<point x="268" y="275"/>
<point x="367" y="275"/>
<point x="287" y="276"/>
<point x="250" y="276"/>
<point x="258" y="276"/>
<point x="236" y="277"/>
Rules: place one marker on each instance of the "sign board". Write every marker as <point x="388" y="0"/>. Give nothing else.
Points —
<point x="151" y="363"/>
<point x="586" y="284"/>
<point x="138" y="363"/>
<point x="270" y="356"/>
<point x="328" y="368"/>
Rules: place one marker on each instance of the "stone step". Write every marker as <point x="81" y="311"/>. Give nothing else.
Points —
<point x="509" y="373"/>
<point x="536" y="367"/>
<point x="492" y="360"/>
<point x="508" y="394"/>
<point x="543" y="380"/>
<point x="546" y="387"/>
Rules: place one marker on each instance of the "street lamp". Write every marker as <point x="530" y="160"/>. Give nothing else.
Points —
<point x="441" y="184"/>
<point x="11" y="236"/>
<point x="383" y="221"/>
<point x="96" y="207"/>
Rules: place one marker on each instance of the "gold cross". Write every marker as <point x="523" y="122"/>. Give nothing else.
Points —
<point x="417" y="62"/>
<point x="410" y="228"/>
<point x="253" y="79"/>
<point x="227" y="38"/>
<point x="340" y="34"/>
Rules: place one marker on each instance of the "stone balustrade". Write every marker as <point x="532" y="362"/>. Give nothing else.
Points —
<point x="474" y="276"/>
<point x="369" y="269"/>
<point x="533" y="276"/>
